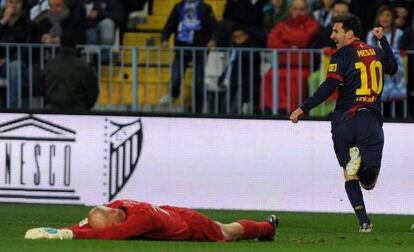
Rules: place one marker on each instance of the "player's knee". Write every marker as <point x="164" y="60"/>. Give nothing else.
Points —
<point x="368" y="187"/>
<point x="368" y="177"/>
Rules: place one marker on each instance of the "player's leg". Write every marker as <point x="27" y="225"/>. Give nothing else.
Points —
<point x="248" y="229"/>
<point x="273" y="220"/>
<point x="371" y="142"/>
<point x="356" y="198"/>
<point x="232" y="231"/>
<point x="343" y="137"/>
<point x="368" y="176"/>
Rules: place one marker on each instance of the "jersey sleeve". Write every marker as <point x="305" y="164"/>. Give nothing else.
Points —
<point x="324" y="91"/>
<point x="336" y="67"/>
<point x="83" y="224"/>
<point x="387" y="57"/>
<point x="135" y="226"/>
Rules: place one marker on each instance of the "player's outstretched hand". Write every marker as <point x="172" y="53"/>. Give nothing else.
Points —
<point x="294" y="117"/>
<point x="378" y="32"/>
<point x="48" y="233"/>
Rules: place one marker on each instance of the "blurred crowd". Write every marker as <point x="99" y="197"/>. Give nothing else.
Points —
<point x="273" y="24"/>
<point x="57" y="22"/>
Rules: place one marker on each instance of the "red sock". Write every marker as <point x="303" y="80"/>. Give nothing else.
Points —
<point x="255" y="229"/>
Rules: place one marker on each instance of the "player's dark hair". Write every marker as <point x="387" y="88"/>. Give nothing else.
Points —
<point x="349" y="23"/>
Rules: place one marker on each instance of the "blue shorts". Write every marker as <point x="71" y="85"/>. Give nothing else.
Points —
<point x="363" y="131"/>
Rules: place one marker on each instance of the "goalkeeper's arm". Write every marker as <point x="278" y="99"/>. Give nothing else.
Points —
<point x="49" y="233"/>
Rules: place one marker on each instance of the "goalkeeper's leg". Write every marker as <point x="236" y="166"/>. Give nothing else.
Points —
<point x="248" y="229"/>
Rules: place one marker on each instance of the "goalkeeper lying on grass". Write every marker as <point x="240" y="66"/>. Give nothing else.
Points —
<point x="127" y="219"/>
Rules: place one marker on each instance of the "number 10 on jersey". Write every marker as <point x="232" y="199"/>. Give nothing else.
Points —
<point x="374" y="78"/>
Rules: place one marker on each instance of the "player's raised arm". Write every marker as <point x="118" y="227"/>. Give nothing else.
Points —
<point x="378" y="32"/>
<point x="388" y="60"/>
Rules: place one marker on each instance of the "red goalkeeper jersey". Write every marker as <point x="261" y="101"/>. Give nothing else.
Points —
<point x="146" y="221"/>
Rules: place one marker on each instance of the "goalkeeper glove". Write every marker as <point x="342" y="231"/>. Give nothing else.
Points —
<point x="48" y="233"/>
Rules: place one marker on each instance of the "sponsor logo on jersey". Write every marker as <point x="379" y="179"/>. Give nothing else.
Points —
<point x="332" y="67"/>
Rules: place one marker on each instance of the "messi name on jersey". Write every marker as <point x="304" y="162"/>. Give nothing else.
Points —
<point x="366" y="52"/>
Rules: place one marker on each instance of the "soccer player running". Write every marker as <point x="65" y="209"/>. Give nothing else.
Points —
<point x="357" y="70"/>
<point x="127" y="219"/>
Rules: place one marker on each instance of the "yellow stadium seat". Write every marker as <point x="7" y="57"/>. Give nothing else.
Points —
<point x="150" y="56"/>
<point x="141" y="38"/>
<point x="151" y="74"/>
<point x="164" y="7"/>
<point x="153" y="23"/>
<point x="153" y="83"/>
<point x="218" y="8"/>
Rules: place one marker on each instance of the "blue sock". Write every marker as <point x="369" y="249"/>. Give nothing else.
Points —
<point x="354" y="192"/>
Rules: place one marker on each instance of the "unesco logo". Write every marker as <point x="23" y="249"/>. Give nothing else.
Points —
<point x="125" y="144"/>
<point x="36" y="160"/>
<point x="43" y="161"/>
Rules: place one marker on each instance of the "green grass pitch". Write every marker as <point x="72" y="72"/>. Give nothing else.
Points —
<point x="297" y="232"/>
